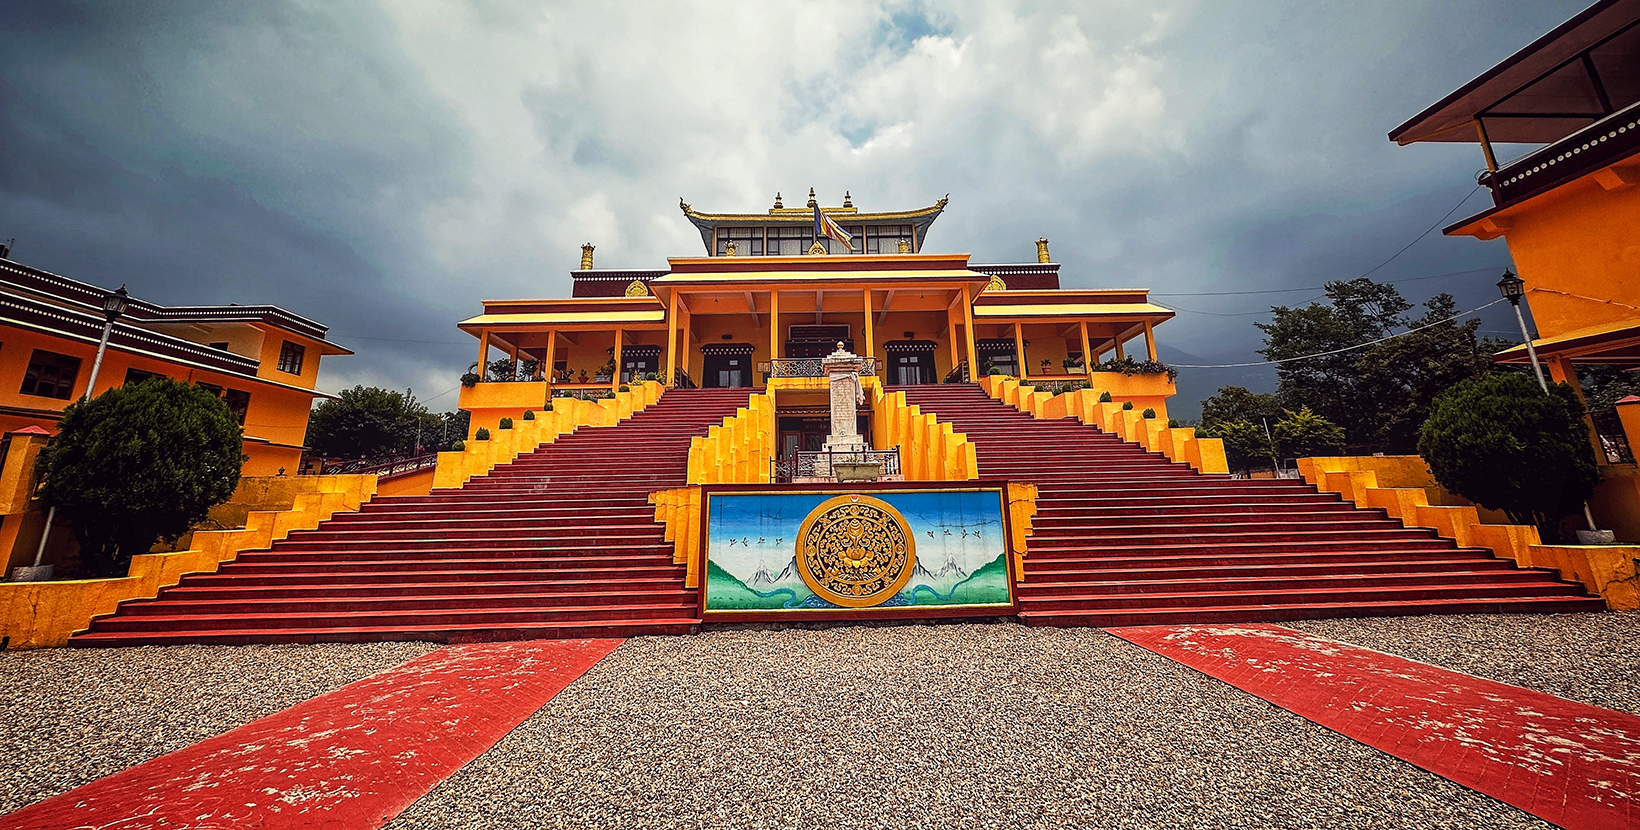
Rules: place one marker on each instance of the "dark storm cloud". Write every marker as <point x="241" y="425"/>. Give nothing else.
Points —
<point x="382" y="167"/>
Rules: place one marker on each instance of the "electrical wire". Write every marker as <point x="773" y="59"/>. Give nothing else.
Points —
<point x="1339" y="351"/>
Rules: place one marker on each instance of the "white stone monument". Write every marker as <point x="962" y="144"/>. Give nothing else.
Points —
<point x="847" y="395"/>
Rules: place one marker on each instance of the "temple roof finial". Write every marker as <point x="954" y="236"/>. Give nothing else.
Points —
<point x="777" y="203"/>
<point x="811" y="198"/>
<point x="848" y="200"/>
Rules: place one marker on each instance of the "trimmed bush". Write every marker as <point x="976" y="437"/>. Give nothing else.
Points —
<point x="624" y="388"/>
<point x="1148" y="414"/>
<point x="482" y="434"/>
<point x="458" y="446"/>
<point x="1172" y="423"/>
<point x="1104" y="397"/>
<point x="529" y="414"/>
<point x="548" y="407"/>
<point x="994" y="370"/>
<point x="506" y="423"/>
<point x="1127" y="405"/>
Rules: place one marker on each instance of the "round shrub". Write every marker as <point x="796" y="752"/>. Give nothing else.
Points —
<point x="1127" y="405"/>
<point x="529" y="414"/>
<point x="506" y="423"/>
<point x="1104" y="397"/>
<point x="625" y="388"/>
<point x="482" y="434"/>
<point x="1148" y="413"/>
<point x="458" y="446"/>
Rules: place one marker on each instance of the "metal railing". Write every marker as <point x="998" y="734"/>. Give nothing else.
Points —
<point x="822" y="464"/>
<point x="810" y="367"/>
<point x="393" y="465"/>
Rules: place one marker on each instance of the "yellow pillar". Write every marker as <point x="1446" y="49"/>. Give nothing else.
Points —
<point x="687" y="321"/>
<point x="483" y="354"/>
<point x="871" y="343"/>
<point x="552" y="358"/>
<point x="968" y="331"/>
<point x="672" y="340"/>
<point x="1087" y="352"/>
<point x="951" y="334"/>
<point x="1019" y="349"/>
<point x="1150" y="340"/>
<point x="1119" y="354"/>
<point x="1562" y="371"/>
<point x="774" y="329"/>
<point x="615" y="377"/>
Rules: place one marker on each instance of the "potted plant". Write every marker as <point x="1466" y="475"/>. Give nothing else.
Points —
<point x="1046" y="366"/>
<point x="1072" y="364"/>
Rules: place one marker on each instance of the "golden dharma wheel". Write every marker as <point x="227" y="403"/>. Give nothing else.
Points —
<point x="855" y="551"/>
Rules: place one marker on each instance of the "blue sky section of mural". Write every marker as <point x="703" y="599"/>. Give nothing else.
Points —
<point x="752" y="550"/>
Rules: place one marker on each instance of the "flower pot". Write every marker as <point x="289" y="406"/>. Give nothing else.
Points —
<point x="857" y="470"/>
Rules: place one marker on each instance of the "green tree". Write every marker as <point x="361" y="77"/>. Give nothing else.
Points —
<point x="1246" y="445"/>
<point x="139" y="464"/>
<point x="1235" y="403"/>
<point x="1502" y="443"/>
<point x="369" y="422"/>
<point x="1304" y="434"/>
<point x="1402" y="377"/>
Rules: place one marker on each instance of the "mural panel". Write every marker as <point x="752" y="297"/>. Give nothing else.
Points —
<point x="880" y="552"/>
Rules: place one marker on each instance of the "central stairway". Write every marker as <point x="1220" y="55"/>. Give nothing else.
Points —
<point x="562" y="542"/>
<point x="1126" y="537"/>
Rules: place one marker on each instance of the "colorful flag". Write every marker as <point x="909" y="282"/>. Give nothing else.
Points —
<point x="824" y="226"/>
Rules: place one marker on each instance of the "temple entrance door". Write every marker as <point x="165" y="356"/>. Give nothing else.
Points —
<point x="910" y="363"/>
<point x="802" y="435"/>
<point x="727" y="371"/>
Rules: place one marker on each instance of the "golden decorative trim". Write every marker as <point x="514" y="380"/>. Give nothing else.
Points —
<point x="817" y="248"/>
<point x="586" y="257"/>
<point x="637" y="289"/>
<point x="855" y="551"/>
<point x="904" y="246"/>
<point x="996" y="284"/>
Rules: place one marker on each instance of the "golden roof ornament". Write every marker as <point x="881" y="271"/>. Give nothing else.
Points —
<point x="905" y="246"/>
<point x="996" y="284"/>
<point x="637" y="289"/>
<point x="817" y="248"/>
<point x="778" y="205"/>
<point x="811" y="199"/>
<point x="848" y="200"/>
<point x="586" y="257"/>
<point x="1042" y="250"/>
<point x="731" y="248"/>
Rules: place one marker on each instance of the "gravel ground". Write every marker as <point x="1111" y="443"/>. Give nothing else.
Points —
<point x="993" y="726"/>
<point x="71" y="716"/>
<point x="1593" y="658"/>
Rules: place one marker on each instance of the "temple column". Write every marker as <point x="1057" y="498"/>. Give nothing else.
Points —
<point x="774" y="330"/>
<point x="672" y="341"/>
<point x="1150" y="340"/>
<point x="871" y="344"/>
<point x="951" y="338"/>
<point x="1118" y="341"/>
<point x="615" y="376"/>
<point x="683" y="346"/>
<point x="1561" y="370"/>
<point x="968" y="331"/>
<point x="552" y="359"/>
<point x="1087" y="352"/>
<point x="1019" y="350"/>
<point x="483" y="354"/>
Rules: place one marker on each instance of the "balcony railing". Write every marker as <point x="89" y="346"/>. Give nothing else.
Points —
<point x="384" y="467"/>
<point x="820" y="465"/>
<point x="1611" y="139"/>
<point x="810" y="367"/>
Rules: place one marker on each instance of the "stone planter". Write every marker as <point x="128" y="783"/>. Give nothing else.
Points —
<point x="32" y="574"/>
<point x="856" y="470"/>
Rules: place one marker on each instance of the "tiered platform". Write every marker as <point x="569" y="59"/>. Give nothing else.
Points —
<point x="1127" y="537"/>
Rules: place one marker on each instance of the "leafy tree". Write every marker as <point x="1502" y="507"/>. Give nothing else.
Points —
<point x="1304" y="434"/>
<point x="1500" y="442"/>
<point x="139" y="464"/>
<point x="369" y="422"/>
<point x="1378" y="394"/>
<point x="1235" y="403"/>
<point x="1246" y="445"/>
<point x="1604" y="386"/>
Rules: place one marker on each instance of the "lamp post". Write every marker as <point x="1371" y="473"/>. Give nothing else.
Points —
<point x="1513" y="289"/>
<point x="114" y="305"/>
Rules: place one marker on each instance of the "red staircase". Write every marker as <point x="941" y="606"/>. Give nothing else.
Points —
<point x="1127" y="537"/>
<point x="560" y="543"/>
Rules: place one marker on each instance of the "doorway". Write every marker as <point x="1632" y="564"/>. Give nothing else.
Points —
<point x="728" y="366"/>
<point x="910" y="362"/>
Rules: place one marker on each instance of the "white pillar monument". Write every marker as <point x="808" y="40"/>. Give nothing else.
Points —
<point x="847" y="395"/>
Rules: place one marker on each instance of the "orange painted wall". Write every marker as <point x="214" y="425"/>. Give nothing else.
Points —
<point x="1578" y="239"/>
<point x="275" y="421"/>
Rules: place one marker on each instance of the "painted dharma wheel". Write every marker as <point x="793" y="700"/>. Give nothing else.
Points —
<point x="855" y="551"/>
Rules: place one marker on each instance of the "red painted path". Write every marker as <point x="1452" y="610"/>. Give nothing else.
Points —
<point x="1569" y="763"/>
<point x="353" y="758"/>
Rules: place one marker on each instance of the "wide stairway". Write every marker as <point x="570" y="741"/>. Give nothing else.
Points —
<point x="562" y="542"/>
<point x="1127" y="537"/>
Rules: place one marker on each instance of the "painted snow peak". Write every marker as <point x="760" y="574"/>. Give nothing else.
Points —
<point x="830" y="551"/>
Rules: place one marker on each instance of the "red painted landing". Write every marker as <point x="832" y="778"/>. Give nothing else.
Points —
<point x="1569" y="763"/>
<point x="353" y="758"/>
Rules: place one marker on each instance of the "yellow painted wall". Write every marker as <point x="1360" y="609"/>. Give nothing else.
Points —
<point x="1578" y="239"/>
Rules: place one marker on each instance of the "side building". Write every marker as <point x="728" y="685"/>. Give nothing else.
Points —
<point x="262" y="361"/>
<point x="1569" y="207"/>
<point x="769" y="298"/>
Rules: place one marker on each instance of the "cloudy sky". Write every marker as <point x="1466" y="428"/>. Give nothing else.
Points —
<point x="382" y="167"/>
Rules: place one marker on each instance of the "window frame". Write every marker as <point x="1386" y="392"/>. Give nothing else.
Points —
<point x="291" y="353"/>
<point x="56" y="362"/>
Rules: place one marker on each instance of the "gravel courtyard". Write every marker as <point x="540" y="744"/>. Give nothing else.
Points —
<point x="961" y="725"/>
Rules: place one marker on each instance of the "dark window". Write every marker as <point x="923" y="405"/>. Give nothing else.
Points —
<point x="238" y="402"/>
<point x="290" y="357"/>
<point x="51" y="375"/>
<point x="211" y="388"/>
<point x="136" y="376"/>
<point x="748" y="241"/>
<point x="633" y="368"/>
<point x="223" y="345"/>
<point x="885" y="239"/>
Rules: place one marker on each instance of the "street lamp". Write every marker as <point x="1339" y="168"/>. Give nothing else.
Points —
<point x="1513" y="289"/>
<point x="114" y="305"/>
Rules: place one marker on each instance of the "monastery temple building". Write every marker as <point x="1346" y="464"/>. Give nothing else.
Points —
<point x="768" y="299"/>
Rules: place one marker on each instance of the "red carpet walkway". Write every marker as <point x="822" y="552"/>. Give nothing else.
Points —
<point x="1569" y="763"/>
<point x="353" y="758"/>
